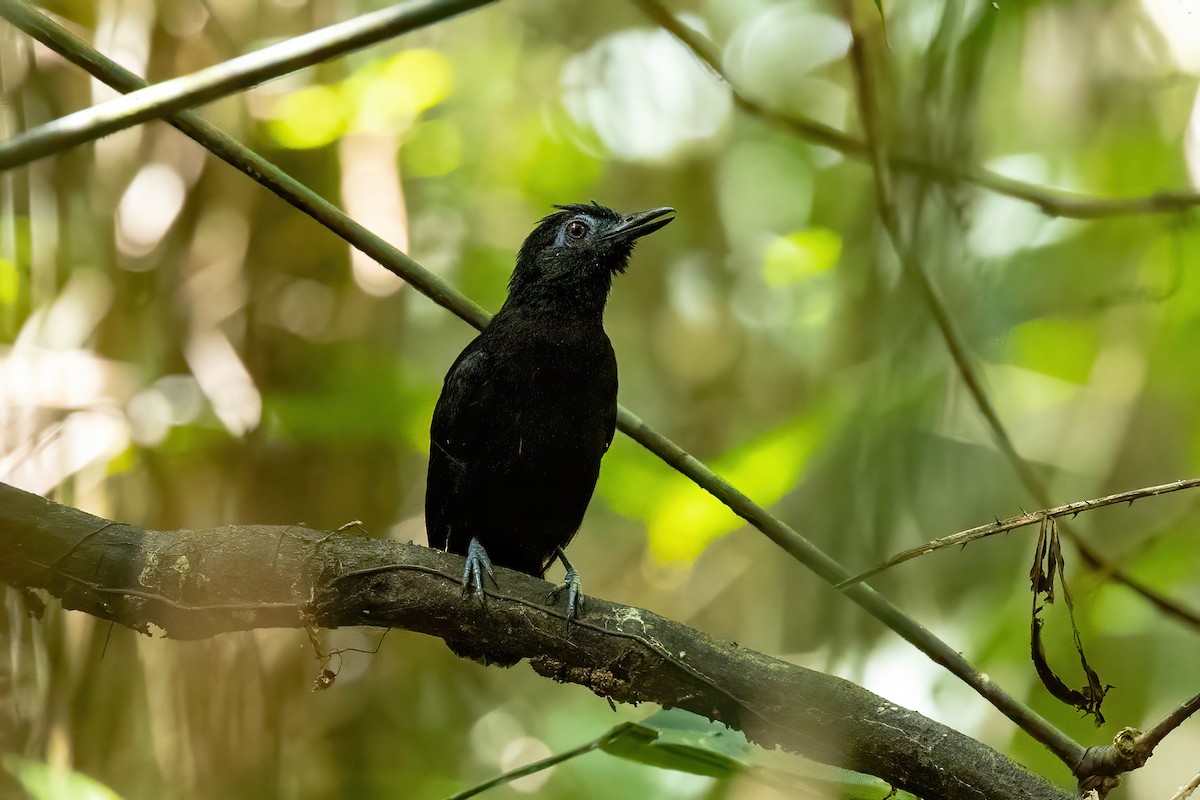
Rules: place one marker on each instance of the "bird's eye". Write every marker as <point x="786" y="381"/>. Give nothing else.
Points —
<point x="576" y="229"/>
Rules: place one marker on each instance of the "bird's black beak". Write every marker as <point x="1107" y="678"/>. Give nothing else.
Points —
<point x="643" y="223"/>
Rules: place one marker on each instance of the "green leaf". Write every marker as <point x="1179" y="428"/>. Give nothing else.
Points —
<point x="10" y="282"/>
<point x="686" y="742"/>
<point x="387" y="95"/>
<point x="1059" y="347"/>
<point x="310" y="117"/>
<point x="684" y="518"/>
<point x="384" y="96"/>
<point x="798" y="256"/>
<point x="41" y="782"/>
<point x="679" y="740"/>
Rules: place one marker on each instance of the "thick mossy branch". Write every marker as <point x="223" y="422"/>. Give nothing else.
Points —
<point x="193" y="584"/>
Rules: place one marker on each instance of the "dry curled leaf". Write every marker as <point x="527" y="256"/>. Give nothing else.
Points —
<point x="1048" y="565"/>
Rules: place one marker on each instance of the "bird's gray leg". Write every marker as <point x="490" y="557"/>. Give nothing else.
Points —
<point x="573" y="586"/>
<point x="477" y="565"/>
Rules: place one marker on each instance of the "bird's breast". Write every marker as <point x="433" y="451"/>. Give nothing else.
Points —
<point x="560" y="392"/>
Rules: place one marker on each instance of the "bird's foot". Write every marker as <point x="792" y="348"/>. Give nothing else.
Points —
<point x="573" y="587"/>
<point x="478" y="564"/>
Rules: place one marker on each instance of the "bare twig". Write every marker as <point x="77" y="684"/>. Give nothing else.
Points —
<point x="1020" y="521"/>
<point x="1187" y="789"/>
<point x="1052" y="202"/>
<point x="217" y="81"/>
<point x="445" y="295"/>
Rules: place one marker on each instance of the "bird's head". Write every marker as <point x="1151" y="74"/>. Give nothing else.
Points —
<point x="574" y="252"/>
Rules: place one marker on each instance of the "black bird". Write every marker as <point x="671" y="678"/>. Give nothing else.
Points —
<point x="529" y="407"/>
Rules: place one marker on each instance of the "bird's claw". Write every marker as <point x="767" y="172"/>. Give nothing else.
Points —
<point x="478" y="564"/>
<point x="574" y="589"/>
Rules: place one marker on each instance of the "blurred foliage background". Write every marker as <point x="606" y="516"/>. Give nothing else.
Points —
<point x="179" y="348"/>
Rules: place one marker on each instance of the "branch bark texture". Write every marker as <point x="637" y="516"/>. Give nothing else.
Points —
<point x="193" y="584"/>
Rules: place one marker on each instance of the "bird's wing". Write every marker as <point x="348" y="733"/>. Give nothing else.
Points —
<point x="610" y="417"/>
<point x="461" y="408"/>
<point x="612" y="428"/>
<point x="458" y="424"/>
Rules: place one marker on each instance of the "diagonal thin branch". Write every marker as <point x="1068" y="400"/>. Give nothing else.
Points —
<point x="442" y="293"/>
<point x="1152" y="737"/>
<point x="1052" y="202"/>
<point x="221" y="79"/>
<point x="1187" y="789"/>
<point x="545" y="763"/>
<point x="1020" y="521"/>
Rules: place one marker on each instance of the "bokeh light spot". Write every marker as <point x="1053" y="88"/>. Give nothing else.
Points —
<point x="307" y="118"/>
<point x="1061" y="348"/>
<point x="386" y="96"/>
<point x="426" y="74"/>
<point x="606" y="89"/>
<point x="148" y="208"/>
<point x="685" y="519"/>
<point x="798" y="256"/>
<point x="10" y="282"/>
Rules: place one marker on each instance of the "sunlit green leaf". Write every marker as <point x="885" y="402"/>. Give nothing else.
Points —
<point x="425" y="76"/>
<point x="10" y="282"/>
<point x="794" y="258"/>
<point x="309" y="117"/>
<point x="382" y="96"/>
<point x="810" y="780"/>
<point x="125" y="461"/>
<point x="1062" y="348"/>
<point x="42" y="782"/>
<point x="386" y="96"/>
<point x="679" y="740"/>
<point x="553" y="169"/>
<point x="632" y="478"/>
<point x="685" y="519"/>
